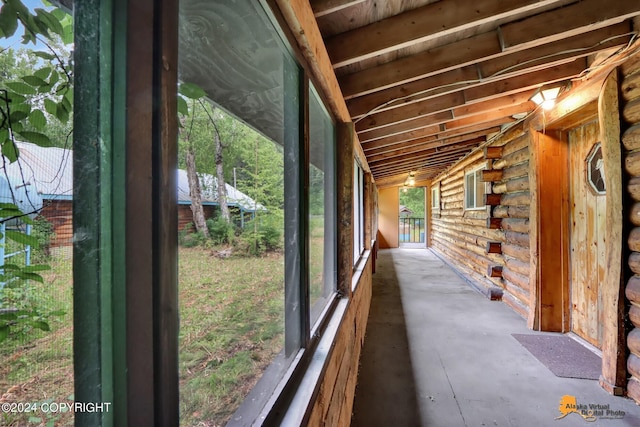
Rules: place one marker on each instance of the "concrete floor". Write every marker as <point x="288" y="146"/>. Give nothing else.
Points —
<point x="437" y="353"/>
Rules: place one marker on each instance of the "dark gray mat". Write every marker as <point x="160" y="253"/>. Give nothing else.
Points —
<point x="564" y="356"/>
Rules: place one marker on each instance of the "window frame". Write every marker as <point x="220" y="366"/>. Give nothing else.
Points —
<point x="478" y="204"/>
<point x="359" y="245"/>
<point x="435" y="197"/>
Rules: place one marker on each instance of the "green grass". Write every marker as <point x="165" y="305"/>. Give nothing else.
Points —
<point x="231" y="327"/>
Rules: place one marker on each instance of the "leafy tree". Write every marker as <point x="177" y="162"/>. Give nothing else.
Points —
<point x="413" y="199"/>
<point x="36" y="90"/>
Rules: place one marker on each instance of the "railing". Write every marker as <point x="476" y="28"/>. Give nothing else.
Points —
<point x="411" y="230"/>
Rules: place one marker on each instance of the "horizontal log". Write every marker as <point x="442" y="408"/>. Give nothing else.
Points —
<point x="494" y="247"/>
<point x="631" y="137"/>
<point x="634" y="262"/>
<point x="492" y="152"/>
<point x="516" y="291"/>
<point x="512" y="186"/>
<point x="521" y="225"/>
<point x="634" y="239"/>
<point x="632" y="291"/>
<point x="630" y="87"/>
<point x="517" y="157"/>
<point x="461" y="256"/>
<point x="465" y="242"/>
<point x="634" y="315"/>
<point x="632" y="163"/>
<point x="518" y="266"/>
<point x="634" y="188"/>
<point x="631" y="111"/>
<point x="511" y="211"/>
<point x="633" y="341"/>
<point x="631" y="66"/>
<point x="494" y="270"/>
<point x="450" y="177"/>
<point x="634" y="216"/>
<point x="491" y="175"/>
<point x="450" y="191"/>
<point x="516" y="171"/>
<point x="499" y="164"/>
<point x="458" y="219"/>
<point x="517" y="279"/>
<point x="487" y="286"/>
<point x="453" y="205"/>
<point x="514" y="199"/>
<point x="518" y="252"/>
<point x="520" y="239"/>
<point x="633" y="389"/>
<point x="492" y="199"/>
<point x="450" y="224"/>
<point x="494" y="223"/>
<point x="633" y="365"/>
<point x="516" y="144"/>
<point x="457" y="197"/>
<point x="516" y="305"/>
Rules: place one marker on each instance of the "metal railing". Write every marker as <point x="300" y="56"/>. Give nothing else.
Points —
<point x="411" y="230"/>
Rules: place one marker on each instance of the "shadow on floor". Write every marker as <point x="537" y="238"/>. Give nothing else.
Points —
<point x="386" y="394"/>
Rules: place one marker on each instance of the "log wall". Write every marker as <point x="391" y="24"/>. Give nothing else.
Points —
<point x="334" y="402"/>
<point x="513" y="214"/>
<point x="630" y="106"/>
<point x="461" y="236"/>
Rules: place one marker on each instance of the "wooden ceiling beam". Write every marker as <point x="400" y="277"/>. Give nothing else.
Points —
<point x="418" y="165"/>
<point x="574" y="19"/>
<point x="442" y="103"/>
<point x="419" y="25"/>
<point x="517" y="63"/>
<point x="457" y="112"/>
<point x="477" y="49"/>
<point x="417" y="150"/>
<point x="436" y="140"/>
<point x="325" y="7"/>
<point x="401" y="137"/>
<point x="418" y="123"/>
<point x="425" y="156"/>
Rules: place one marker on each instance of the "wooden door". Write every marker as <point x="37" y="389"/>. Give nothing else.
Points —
<point x="587" y="230"/>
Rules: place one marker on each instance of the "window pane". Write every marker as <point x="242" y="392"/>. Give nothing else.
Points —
<point x="232" y="285"/>
<point x="469" y="187"/>
<point x="479" y="189"/>
<point x="321" y="207"/>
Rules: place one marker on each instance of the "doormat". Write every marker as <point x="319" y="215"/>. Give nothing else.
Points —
<point x="562" y="355"/>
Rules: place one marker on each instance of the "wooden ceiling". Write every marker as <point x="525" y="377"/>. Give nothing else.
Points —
<point x="427" y="81"/>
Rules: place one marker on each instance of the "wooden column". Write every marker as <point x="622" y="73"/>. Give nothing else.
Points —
<point x="613" y="378"/>
<point x="344" y="149"/>
<point x="549" y="233"/>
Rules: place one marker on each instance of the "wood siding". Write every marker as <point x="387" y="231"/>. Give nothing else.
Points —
<point x="334" y="402"/>
<point x="630" y="103"/>
<point x="460" y="235"/>
<point x="59" y="213"/>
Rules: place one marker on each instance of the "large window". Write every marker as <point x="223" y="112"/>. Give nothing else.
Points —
<point x="321" y="238"/>
<point x="474" y="189"/>
<point x="274" y="312"/>
<point x="358" y="211"/>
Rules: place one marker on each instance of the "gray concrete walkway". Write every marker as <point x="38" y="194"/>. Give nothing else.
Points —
<point x="439" y="354"/>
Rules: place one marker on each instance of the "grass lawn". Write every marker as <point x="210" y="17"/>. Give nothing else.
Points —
<point x="231" y="327"/>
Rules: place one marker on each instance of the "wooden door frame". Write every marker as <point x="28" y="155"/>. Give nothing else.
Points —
<point x="542" y="317"/>
<point x="549" y="223"/>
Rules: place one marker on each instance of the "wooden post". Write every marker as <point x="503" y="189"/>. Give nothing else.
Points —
<point x="491" y="175"/>
<point x="344" y="149"/>
<point x="613" y="378"/>
<point x="492" y="199"/>
<point x="494" y="248"/>
<point x="492" y="152"/>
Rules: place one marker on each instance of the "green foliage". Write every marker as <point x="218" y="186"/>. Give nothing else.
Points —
<point x="220" y="231"/>
<point x="259" y="237"/>
<point x="190" y="240"/>
<point x="36" y="97"/>
<point x="413" y="198"/>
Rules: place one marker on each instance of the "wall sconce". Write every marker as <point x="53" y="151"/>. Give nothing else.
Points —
<point x="546" y="95"/>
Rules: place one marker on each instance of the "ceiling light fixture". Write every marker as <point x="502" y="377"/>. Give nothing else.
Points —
<point x="546" y="95"/>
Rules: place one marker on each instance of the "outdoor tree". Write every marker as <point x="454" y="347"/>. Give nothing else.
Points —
<point x="35" y="92"/>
